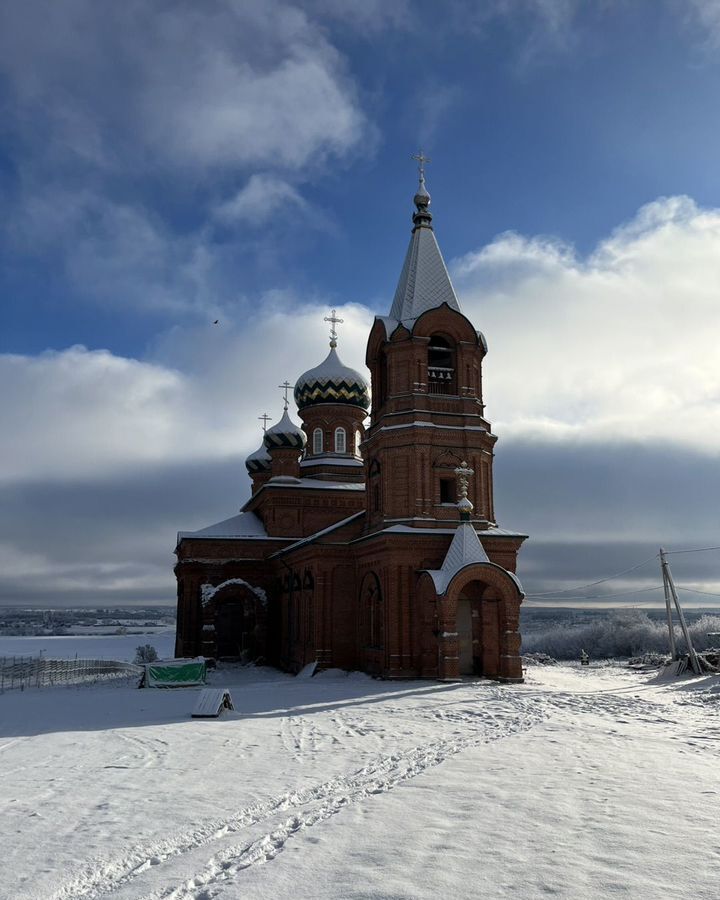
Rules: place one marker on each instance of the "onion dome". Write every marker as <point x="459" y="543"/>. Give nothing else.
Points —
<point x="286" y="434"/>
<point x="332" y="382"/>
<point x="258" y="461"/>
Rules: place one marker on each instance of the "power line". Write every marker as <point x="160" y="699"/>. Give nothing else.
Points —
<point x="692" y="550"/>
<point x="696" y="591"/>
<point x="656" y="587"/>
<point x="581" y="587"/>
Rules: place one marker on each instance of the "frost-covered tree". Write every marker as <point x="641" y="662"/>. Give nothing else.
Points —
<point x="145" y="653"/>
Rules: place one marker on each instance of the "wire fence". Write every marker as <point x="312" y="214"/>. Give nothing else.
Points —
<point x="23" y="672"/>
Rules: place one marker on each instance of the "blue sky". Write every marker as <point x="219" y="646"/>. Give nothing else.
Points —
<point x="164" y="166"/>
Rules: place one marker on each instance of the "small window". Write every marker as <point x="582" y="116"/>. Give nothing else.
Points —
<point x="358" y="441"/>
<point x="317" y="440"/>
<point x="447" y="490"/>
<point x="340" y="440"/>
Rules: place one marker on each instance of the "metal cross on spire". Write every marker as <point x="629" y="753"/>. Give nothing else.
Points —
<point x="264" y="418"/>
<point x="285" y="386"/>
<point x="333" y="319"/>
<point x="421" y="160"/>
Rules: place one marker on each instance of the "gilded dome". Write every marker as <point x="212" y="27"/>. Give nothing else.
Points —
<point x="332" y="382"/>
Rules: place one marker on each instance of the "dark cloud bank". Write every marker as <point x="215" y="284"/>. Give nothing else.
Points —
<point x="590" y="511"/>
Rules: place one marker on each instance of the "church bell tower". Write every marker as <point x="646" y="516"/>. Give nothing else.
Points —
<point x="425" y="360"/>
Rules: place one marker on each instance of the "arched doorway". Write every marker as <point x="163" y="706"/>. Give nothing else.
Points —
<point x="469" y="627"/>
<point x="235" y="628"/>
<point x="476" y="630"/>
<point x="234" y="620"/>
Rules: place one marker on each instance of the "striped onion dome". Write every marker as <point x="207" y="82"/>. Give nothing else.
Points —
<point x="332" y="382"/>
<point x="258" y="461"/>
<point x="285" y="434"/>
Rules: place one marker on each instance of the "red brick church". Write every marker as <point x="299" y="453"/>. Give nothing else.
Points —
<point x="370" y="543"/>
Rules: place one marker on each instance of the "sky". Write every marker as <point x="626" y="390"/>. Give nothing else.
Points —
<point x="167" y="165"/>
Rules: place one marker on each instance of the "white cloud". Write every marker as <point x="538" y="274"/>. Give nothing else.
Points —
<point x="218" y="85"/>
<point x="259" y="200"/>
<point x="620" y="346"/>
<point x="707" y="15"/>
<point x="82" y="414"/>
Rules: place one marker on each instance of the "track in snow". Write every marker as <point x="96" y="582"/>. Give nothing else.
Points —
<point x="266" y="826"/>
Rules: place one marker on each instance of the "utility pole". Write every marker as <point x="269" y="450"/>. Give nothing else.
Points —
<point x="670" y="586"/>
<point x="668" y="608"/>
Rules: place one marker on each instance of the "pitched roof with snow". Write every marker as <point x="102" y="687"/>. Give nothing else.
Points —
<point x="244" y="525"/>
<point x="465" y="550"/>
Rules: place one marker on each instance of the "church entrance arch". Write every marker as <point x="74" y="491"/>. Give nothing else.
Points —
<point x="234" y="620"/>
<point x="478" y="617"/>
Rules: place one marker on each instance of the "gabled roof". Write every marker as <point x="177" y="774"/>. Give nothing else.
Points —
<point x="465" y="550"/>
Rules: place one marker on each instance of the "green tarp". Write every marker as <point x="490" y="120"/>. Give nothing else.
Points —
<point x="175" y="673"/>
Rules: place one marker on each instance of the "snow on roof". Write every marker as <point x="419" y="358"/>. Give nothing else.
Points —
<point x="332" y="368"/>
<point x="331" y="461"/>
<point x="319" y="534"/>
<point x="424" y="281"/>
<point x="245" y="525"/>
<point x="421" y="424"/>
<point x="208" y="591"/>
<point x="486" y="532"/>
<point x="465" y="550"/>
<point x="314" y="484"/>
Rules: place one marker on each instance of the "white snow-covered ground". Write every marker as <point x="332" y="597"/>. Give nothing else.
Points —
<point x="577" y="784"/>
<point x="104" y="646"/>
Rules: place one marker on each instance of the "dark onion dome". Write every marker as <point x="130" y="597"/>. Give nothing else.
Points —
<point x="332" y="382"/>
<point x="258" y="461"/>
<point x="285" y="434"/>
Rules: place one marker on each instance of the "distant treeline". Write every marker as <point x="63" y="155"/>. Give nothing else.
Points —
<point x="623" y="633"/>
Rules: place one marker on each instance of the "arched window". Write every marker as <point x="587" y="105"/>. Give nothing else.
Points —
<point x="358" y="441"/>
<point x="317" y="440"/>
<point x="340" y="440"/>
<point x="441" y="366"/>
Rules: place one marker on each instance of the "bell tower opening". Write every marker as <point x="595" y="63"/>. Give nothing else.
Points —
<point x="441" y="366"/>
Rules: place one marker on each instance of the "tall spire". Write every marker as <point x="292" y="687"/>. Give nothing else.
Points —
<point x="424" y="281"/>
